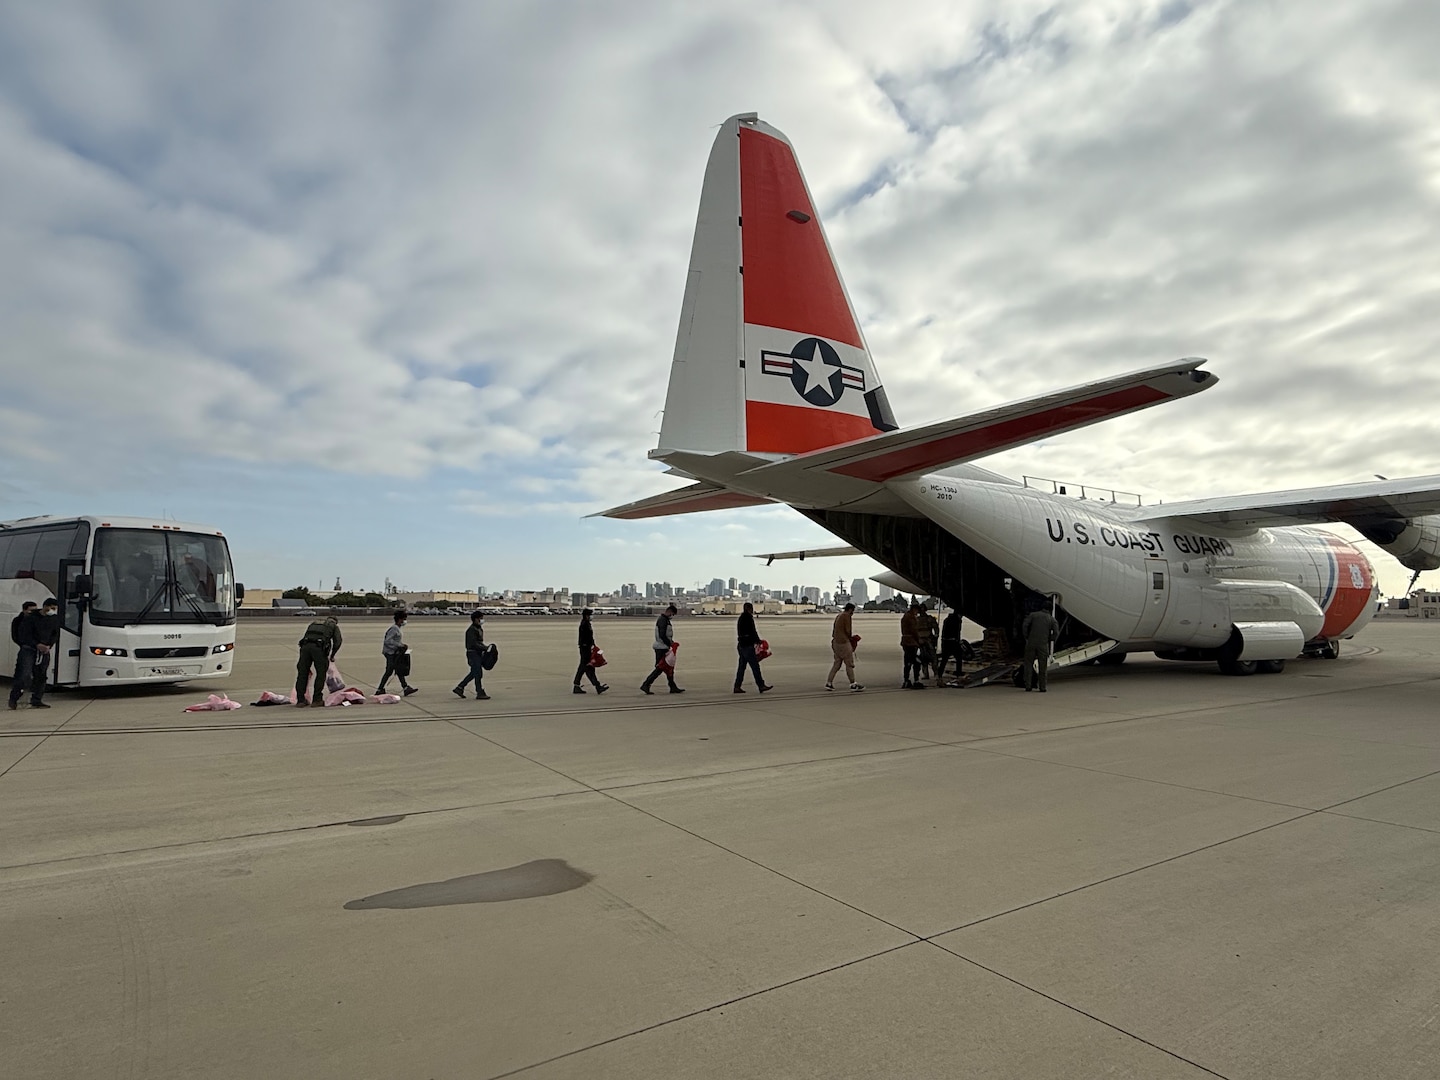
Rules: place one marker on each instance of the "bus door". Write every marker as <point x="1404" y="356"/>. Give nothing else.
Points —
<point x="66" y="666"/>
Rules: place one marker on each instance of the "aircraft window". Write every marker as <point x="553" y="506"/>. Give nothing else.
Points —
<point x="1157" y="579"/>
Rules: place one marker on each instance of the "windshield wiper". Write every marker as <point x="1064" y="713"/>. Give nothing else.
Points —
<point x="194" y="602"/>
<point x="164" y="588"/>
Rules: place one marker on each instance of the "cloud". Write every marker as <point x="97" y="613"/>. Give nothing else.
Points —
<point x="441" y="251"/>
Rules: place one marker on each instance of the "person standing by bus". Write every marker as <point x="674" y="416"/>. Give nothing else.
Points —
<point x="393" y="648"/>
<point x="475" y="657"/>
<point x="36" y="635"/>
<point x="24" y="662"/>
<point x="318" y="648"/>
<point x="587" y="648"/>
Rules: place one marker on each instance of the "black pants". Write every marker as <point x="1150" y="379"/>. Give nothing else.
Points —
<point x="947" y="653"/>
<point x="477" y="671"/>
<point x="586" y="669"/>
<point x="390" y="661"/>
<point x="1036" y="657"/>
<point x="660" y="654"/>
<point x="317" y="657"/>
<point x="912" y="662"/>
<point x="747" y="656"/>
<point x="30" y="669"/>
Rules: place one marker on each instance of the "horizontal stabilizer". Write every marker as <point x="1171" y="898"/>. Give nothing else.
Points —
<point x="686" y="500"/>
<point x="1355" y="504"/>
<point x="809" y="553"/>
<point x="914" y="451"/>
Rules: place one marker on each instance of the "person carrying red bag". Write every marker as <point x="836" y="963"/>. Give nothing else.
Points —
<point x="587" y="656"/>
<point x="747" y="639"/>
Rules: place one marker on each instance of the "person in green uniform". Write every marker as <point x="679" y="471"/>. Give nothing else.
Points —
<point x="1038" y="630"/>
<point x="318" y="647"/>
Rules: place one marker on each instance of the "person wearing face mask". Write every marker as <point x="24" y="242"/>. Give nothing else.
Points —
<point x="394" y="649"/>
<point x="36" y="635"/>
<point x="475" y="656"/>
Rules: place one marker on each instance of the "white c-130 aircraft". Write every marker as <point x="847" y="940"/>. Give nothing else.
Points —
<point x="773" y="398"/>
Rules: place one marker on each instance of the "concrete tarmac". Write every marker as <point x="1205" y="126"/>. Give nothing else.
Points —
<point x="1153" y="871"/>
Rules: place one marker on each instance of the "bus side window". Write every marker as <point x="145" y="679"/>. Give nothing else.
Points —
<point x="21" y="556"/>
<point x="53" y="546"/>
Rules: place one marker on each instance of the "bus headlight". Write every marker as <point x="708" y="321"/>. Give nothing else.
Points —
<point x="101" y="650"/>
<point x="223" y="648"/>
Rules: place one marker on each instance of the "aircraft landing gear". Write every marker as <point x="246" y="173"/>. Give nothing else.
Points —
<point x="1251" y="667"/>
<point x="1330" y="651"/>
<point x="1237" y="667"/>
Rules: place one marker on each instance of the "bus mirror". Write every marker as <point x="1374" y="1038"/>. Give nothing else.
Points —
<point x="239" y="593"/>
<point x="80" y="586"/>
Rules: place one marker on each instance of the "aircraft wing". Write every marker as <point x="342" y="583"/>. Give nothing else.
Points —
<point x="1355" y="504"/>
<point x="809" y="553"/>
<point x="686" y="500"/>
<point x="913" y="451"/>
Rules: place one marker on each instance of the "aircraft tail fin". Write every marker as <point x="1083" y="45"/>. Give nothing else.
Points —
<point x="769" y="358"/>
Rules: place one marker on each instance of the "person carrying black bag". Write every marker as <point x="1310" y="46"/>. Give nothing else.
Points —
<point x="475" y="657"/>
<point x="397" y="657"/>
<point x="587" y="646"/>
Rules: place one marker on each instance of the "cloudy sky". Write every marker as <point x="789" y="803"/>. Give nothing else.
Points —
<point x="391" y="289"/>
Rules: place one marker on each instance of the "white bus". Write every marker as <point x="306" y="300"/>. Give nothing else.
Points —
<point x="141" y="601"/>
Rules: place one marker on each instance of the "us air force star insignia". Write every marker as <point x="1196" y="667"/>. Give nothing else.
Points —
<point x="816" y="371"/>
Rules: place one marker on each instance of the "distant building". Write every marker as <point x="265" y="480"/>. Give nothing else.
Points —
<point x="811" y="593"/>
<point x="1424" y="604"/>
<point x="716" y="587"/>
<point x="859" y="592"/>
<point x="886" y="592"/>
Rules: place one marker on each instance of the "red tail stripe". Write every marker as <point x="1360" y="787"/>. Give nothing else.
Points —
<point x="790" y="281"/>
<point x="986" y="440"/>
<point x="794" y="429"/>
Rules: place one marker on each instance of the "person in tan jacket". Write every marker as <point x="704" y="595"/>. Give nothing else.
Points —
<point x="842" y="644"/>
<point x="910" y="644"/>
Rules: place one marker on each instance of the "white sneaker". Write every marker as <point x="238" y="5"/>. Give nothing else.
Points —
<point x="854" y="686"/>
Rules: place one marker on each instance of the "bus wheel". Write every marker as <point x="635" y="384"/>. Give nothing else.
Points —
<point x="1270" y="667"/>
<point x="1237" y="667"/>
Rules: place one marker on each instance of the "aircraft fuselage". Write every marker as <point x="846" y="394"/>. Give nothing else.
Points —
<point x="1149" y="582"/>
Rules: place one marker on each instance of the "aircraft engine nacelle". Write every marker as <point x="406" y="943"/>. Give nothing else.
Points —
<point x="1256" y="603"/>
<point x="1414" y="541"/>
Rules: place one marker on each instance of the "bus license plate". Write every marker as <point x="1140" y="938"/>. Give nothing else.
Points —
<point x="174" y="671"/>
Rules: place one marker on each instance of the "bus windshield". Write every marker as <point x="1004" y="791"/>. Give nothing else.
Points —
<point x="154" y="576"/>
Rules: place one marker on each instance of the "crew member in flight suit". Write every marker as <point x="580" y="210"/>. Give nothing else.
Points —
<point x="910" y="631"/>
<point x="1039" y="629"/>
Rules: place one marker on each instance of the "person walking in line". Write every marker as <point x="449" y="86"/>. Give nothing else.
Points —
<point x="747" y="638"/>
<point x="318" y="648"/>
<point x="394" y="649"/>
<point x="1039" y="629"/>
<point x="664" y="638"/>
<point x="949" y="648"/>
<point x="842" y="644"/>
<point x="35" y="632"/>
<point x="475" y="657"/>
<point x="587" y="646"/>
<point x="910" y="645"/>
